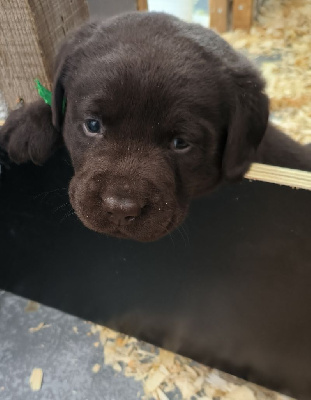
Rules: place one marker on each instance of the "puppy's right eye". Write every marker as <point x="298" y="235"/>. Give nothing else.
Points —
<point x="92" y="127"/>
<point x="179" y="144"/>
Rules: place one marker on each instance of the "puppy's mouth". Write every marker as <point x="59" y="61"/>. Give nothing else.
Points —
<point x="157" y="218"/>
<point x="139" y="235"/>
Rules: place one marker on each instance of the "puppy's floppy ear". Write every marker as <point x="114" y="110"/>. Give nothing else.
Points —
<point x="248" y="121"/>
<point x="66" y="62"/>
<point x="58" y="92"/>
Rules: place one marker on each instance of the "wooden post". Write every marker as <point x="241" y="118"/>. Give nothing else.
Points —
<point x="242" y="14"/>
<point x="142" y="5"/>
<point x="219" y="15"/>
<point x="30" y="34"/>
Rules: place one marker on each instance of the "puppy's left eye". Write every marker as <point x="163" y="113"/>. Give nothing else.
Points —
<point x="92" y="127"/>
<point x="179" y="144"/>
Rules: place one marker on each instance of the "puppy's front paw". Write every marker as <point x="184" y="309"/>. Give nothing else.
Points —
<point x="28" y="134"/>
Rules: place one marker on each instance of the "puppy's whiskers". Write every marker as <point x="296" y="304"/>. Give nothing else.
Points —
<point x="66" y="216"/>
<point x="172" y="240"/>
<point x="43" y="195"/>
<point x="61" y="207"/>
<point x="183" y="227"/>
<point x="181" y="234"/>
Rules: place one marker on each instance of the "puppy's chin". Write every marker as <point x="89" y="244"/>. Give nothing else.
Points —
<point x="143" y="230"/>
<point x="140" y="231"/>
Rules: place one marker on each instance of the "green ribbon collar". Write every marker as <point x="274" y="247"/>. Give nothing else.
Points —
<point x="46" y="94"/>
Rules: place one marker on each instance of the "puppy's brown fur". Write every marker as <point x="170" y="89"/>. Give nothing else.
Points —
<point x="148" y="79"/>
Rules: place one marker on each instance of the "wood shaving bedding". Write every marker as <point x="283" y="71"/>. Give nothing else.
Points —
<point x="35" y="380"/>
<point x="163" y="373"/>
<point x="283" y="31"/>
<point x="96" y="368"/>
<point x="38" y="328"/>
<point x="32" y="306"/>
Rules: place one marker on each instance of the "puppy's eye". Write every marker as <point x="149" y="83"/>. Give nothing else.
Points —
<point x="179" y="144"/>
<point x="92" y="127"/>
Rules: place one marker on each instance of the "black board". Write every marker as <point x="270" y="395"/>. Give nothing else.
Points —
<point x="230" y="289"/>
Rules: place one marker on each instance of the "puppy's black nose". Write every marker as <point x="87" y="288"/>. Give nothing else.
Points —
<point x="121" y="211"/>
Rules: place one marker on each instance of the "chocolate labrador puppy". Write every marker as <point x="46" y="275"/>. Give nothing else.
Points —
<point x="158" y="112"/>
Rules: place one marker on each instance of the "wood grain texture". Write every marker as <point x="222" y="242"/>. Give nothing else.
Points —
<point x="142" y="5"/>
<point x="30" y="34"/>
<point x="219" y="15"/>
<point x="281" y="176"/>
<point x="242" y="14"/>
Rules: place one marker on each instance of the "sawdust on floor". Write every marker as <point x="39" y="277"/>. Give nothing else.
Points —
<point x="283" y="30"/>
<point x="40" y="326"/>
<point x="35" y="380"/>
<point x="32" y="306"/>
<point x="163" y="372"/>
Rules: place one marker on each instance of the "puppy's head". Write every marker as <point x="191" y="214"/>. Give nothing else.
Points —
<point x="158" y="112"/>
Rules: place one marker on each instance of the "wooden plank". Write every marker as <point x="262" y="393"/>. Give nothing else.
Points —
<point x="142" y="5"/>
<point x="30" y="34"/>
<point x="282" y="176"/>
<point x="219" y="15"/>
<point x="242" y="14"/>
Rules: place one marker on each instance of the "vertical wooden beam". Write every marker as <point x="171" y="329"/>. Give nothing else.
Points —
<point x="142" y="5"/>
<point x="219" y="15"/>
<point x="242" y="14"/>
<point x="30" y="34"/>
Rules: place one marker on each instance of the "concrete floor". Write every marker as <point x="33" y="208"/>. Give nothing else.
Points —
<point x="66" y="357"/>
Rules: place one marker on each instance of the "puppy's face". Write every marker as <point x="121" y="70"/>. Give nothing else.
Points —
<point x="146" y="125"/>
<point x="140" y="148"/>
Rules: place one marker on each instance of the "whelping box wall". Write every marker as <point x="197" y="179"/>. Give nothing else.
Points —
<point x="230" y="289"/>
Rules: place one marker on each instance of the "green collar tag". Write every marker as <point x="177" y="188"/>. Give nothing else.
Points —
<point x="47" y="94"/>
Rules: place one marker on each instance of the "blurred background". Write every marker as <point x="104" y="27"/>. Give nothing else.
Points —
<point x="189" y="10"/>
